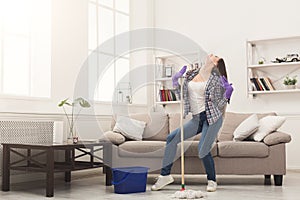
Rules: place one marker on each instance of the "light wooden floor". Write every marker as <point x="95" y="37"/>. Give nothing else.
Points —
<point x="90" y="185"/>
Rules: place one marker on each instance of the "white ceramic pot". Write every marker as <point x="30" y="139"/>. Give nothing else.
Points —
<point x="289" y="87"/>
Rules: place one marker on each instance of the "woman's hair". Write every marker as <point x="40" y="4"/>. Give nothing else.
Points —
<point x="222" y="68"/>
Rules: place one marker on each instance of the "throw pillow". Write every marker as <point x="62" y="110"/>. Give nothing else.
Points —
<point x="267" y="125"/>
<point x="130" y="128"/>
<point x="276" y="138"/>
<point x="246" y="128"/>
<point x="113" y="137"/>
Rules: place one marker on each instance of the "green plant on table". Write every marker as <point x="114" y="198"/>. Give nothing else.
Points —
<point x="290" y="80"/>
<point x="72" y="119"/>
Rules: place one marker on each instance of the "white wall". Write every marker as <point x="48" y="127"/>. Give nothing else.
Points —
<point x="222" y="28"/>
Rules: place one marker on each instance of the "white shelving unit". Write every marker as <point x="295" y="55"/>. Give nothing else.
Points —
<point x="175" y="62"/>
<point x="268" y="50"/>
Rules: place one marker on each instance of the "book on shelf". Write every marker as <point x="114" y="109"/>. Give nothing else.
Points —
<point x="268" y="81"/>
<point x="254" y="84"/>
<point x="261" y="84"/>
<point x="264" y="84"/>
<point x="167" y="95"/>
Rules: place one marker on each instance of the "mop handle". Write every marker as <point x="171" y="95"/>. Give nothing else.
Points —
<point x="182" y="134"/>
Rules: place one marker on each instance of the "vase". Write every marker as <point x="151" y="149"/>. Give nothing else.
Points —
<point x="75" y="139"/>
<point x="69" y="140"/>
<point x="289" y="87"/>
<point x="72" y="137"/>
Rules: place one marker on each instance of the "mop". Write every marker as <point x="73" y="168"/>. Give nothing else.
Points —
<point x="183" y="193"/>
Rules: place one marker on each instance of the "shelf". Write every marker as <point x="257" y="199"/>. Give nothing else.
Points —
<point x="274" y="91"/>
<point x="274" y="65"/>
<point x="164" y="79"/>
<point x="175" y="61"/>
<point x="268" y="50"/>
<point x="167" y="102"/>
<point x="262" y="41"/>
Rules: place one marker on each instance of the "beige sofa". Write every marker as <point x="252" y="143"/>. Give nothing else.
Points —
<point x="232" y="158"/>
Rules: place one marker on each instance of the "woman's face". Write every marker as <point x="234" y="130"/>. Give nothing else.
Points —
<point x="214" y="59"/>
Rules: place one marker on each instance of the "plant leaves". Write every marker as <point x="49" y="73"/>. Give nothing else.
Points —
<point x="290" y="81"/>
<point x="81" y="101"/>
<point x="63" y="102"/>
<point x="77" y="100"/>
<point x="84" y="103"/>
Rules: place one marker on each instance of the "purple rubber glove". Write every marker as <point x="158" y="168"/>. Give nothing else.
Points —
<point x="227" y="86"/>
<point x="178" y="75"/>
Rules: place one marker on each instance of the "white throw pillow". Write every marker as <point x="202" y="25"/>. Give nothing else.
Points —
<point x="246" y="128"/>
<point x="267" y="125"/>
<point x="130" y="128"/>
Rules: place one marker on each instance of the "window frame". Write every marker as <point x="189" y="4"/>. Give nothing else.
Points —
<point x="29" y="96"/>
<point x="97" y="3"/>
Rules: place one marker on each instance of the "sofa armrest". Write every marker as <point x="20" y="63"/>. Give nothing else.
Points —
<point x="276" y="138"/>
<point x="113" y="137"/>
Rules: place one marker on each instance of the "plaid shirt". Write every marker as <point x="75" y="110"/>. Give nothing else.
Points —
<point x="215" y="101"/>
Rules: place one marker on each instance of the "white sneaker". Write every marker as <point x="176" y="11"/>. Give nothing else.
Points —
<point x="161" y="182"/>
<point x="211" y="186"/>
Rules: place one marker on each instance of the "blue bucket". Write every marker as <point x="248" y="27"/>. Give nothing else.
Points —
<point x="129" y="179"/>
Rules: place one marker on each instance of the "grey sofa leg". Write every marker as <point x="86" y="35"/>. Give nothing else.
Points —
<point x="278" y="180"/>
<point x="267" y="179"/>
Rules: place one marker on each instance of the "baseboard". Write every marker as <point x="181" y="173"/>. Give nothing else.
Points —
<point x="295" y="167"/>
<point x="297" y="170"/>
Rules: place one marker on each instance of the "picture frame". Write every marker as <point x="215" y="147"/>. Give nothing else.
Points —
<point x="168" y="71"/>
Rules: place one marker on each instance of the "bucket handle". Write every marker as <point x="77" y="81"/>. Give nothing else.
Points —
<point x="123" y="179"/>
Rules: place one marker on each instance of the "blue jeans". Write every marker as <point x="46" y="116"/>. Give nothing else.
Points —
<point x="196" y="125"/>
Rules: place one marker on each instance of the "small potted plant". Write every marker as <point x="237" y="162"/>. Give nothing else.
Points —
<point x="290" y="82"/>
<point x="261" y="61"/>
<point x="72" y="136"/>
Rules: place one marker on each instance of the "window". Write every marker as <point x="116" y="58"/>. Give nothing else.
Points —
<point x="25" y="47"/>
<point x="108" y="18"/>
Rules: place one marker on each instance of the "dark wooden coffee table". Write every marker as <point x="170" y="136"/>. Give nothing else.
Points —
<point x="50" y="166"/>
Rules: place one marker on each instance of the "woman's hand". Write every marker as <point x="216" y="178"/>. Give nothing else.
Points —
<point x="228" y="87"/>
<point x="178" y="75"/>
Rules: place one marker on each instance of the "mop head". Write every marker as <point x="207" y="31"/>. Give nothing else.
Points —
<point x="188" y="194"/>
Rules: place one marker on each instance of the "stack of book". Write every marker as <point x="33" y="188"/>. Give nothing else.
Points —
<point x="262" y="84"/>
<point x="167" y="95"/>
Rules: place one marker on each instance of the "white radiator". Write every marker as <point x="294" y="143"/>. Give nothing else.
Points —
<point x="24" y="132"/>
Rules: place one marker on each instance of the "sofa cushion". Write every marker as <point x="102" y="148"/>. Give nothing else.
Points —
<point x="174" y="122"/>
<point x="142" y="149"/>
<point x="192" y="149"/>
<point x="157" y="127"/>
<point x="230" y="149"/>
<point x="157" y="149"/>
<point x="276" y="138"/>
<point x="232" y="121"/>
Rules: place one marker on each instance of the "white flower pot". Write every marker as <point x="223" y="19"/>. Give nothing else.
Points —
<point x="289" y="87"/>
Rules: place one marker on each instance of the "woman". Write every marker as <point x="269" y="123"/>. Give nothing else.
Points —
<point x="206" y="92"/>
